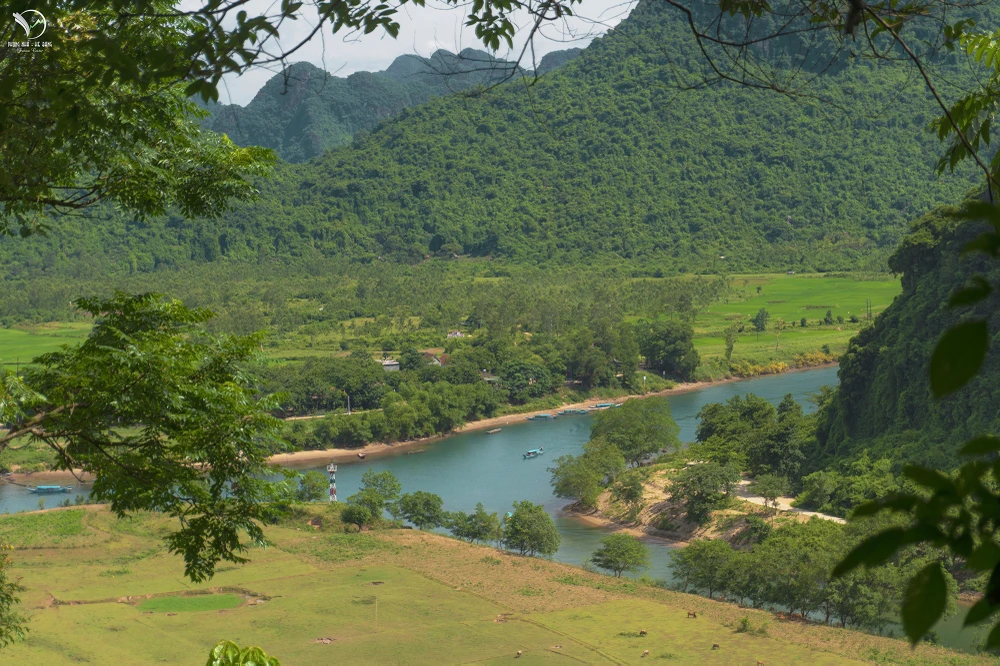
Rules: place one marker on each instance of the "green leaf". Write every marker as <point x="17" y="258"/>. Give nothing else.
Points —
<point x="980" y="610"/>
<point x="979" y="210"/>
<point x="980" y="446"/>
<point x="924" y="601"/>
<point x="970" y="295"/>
<point x="930" y="478"/>
<point x="993" y="640"/>
<point x="985" y="557"/>
<point x="872" y="551"/>
<point x="958" y="356"/>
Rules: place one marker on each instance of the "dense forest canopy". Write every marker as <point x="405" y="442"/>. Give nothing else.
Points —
<point x="304" y="111"/>
<point x="605" y="159"/>
<point x="884" y="402"/>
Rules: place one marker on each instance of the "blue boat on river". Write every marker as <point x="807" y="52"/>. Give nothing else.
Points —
<point x="49" y="489"/>
<point x="542" y="417"/>
<point x="533" y="453"/>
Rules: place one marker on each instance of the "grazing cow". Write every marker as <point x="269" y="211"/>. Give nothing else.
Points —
<point x="760" y="663"/>
<point x="693" y="614"/>
<point x="518" y="655"/>
<point x="715" y="646"/>
<point x="645" y="653"/>
<point x="642" y="632"/>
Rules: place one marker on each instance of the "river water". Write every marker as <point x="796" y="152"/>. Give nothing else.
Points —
<point x="476" y="467"/>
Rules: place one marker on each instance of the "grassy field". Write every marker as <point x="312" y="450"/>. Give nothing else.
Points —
<point x="103" y="591"/>
<point x="791" y="297"/>
<point x="20" y="345"/>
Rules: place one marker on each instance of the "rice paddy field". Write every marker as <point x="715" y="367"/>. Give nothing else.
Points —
<point x="104" y="591"/>
<point x="19" y="345"/>
<point x="791" y="297"/>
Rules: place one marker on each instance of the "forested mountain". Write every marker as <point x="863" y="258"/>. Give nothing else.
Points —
<point x="304" y="111"/>
<point x="884" y="404"/>
<point x="603" y="161"/>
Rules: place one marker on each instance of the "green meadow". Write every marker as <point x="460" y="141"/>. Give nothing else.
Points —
<point x="103" y="591"/>
<point x="791" y="297"/>
<point x="20" y="345"/>
<point x="788" y="297"/>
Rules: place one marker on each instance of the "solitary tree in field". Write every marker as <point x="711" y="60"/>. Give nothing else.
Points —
<point x="529" y="530"/>
<point x="620" y="553"/>
<point x="475" y="527"/>
<point x="732" y="335"/>
<point x="630" y="491"/>
<point x="312" y="486"/>
<point x="760" y="321"/>
<point x="422" y="508"/>
<point x="379" y="491"/>
<point x="770" y="487"/>
<point x="357" y="514"/>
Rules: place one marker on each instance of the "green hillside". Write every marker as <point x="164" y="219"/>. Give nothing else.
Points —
<point x="603" y="161"/>
<point x="884" y="403"/>
<point x="304" y="111"/>
<point x="606" y="158"/>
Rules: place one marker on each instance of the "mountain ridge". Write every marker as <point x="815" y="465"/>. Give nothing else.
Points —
<point x="304" y="110"/>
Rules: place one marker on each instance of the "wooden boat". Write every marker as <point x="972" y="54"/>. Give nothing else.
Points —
<point x="493" y="432"/>
<point x="533" y="453"/>
<point x="541" y="417"/>
<point x="49" y="489"/>
<point x="361" y="455"/>
<point x="604" y="405"/>
<point x="410" y="453"/>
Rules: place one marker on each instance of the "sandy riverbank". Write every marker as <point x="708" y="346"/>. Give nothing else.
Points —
<point x="301" y="459"/>
<point x="643" y="532"/>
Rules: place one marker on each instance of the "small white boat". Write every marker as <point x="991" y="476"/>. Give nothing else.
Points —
<point x="493" y="432"/>
<point x="533" y="453"/>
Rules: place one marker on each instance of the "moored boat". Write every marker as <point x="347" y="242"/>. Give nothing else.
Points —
<point x="493" y="432"/>
<point x="541" y="417"/>
<point x="49" y="489"/>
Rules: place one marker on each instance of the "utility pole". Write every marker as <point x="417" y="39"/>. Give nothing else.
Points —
<point x="332" y="469"/>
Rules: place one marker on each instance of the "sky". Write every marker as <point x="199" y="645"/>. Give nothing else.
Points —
<point x="423" y="31"/>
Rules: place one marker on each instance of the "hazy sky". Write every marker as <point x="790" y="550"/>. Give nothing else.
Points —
<point x="423" y="31"/>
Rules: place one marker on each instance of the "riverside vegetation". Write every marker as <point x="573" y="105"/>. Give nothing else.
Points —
<point x="561" y="342"/>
